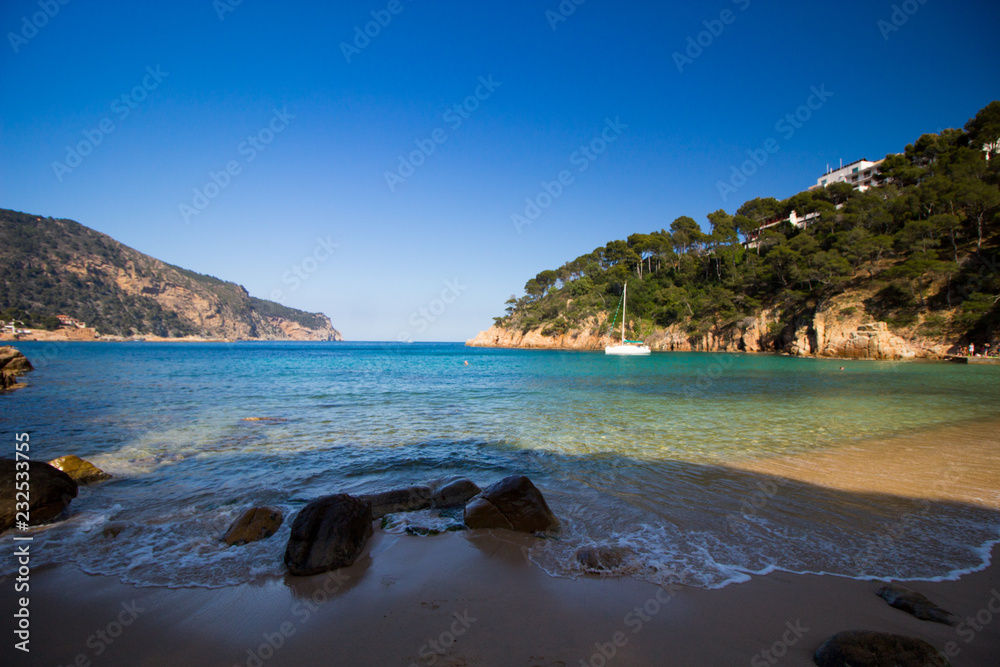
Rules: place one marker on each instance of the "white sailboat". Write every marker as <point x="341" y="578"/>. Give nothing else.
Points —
<point x="626" y="346"/>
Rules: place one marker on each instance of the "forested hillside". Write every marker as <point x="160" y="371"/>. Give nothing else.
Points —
<point x="919" y="251"/>
<point x="54" y="267"/>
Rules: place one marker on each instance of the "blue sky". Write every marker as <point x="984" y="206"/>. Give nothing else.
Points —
<point x="162" y="98"/>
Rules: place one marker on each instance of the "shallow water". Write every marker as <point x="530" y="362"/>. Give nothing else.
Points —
<point x="702" y="468"/>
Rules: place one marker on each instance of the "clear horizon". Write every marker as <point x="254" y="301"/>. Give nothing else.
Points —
<point x="405" y="167"/>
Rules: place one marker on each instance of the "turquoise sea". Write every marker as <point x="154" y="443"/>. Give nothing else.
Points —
<point x="650" y="455"/>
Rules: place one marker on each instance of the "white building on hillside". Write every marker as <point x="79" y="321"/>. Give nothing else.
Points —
<point x="859" y="173"/>
<point x="793" y="219"/>
<point x="992" y="149"/>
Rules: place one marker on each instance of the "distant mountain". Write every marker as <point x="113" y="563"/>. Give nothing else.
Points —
<point x="54" y="267"/>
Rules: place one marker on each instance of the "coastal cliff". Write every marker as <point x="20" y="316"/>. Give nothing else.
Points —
<point x="904" y="265"/>
<point x="818" y="337"/>
<point x="841" y="328"/>
<point x="54" y="267"/>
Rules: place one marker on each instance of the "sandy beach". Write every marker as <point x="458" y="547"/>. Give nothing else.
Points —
<point x="473" y="599"/>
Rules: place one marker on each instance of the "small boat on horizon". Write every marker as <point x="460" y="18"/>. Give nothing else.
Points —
<point x="627" y="347"/>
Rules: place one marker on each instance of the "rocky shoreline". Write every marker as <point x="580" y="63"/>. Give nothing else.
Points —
<point x="69" y="336"/>
<point x="822" y="336"/>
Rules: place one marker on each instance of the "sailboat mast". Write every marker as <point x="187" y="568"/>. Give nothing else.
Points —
<point x="624" y="305"/>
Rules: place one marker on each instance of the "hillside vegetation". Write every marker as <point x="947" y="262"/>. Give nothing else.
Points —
<point x="918" y="252"/>
<point x="54" y="267"/>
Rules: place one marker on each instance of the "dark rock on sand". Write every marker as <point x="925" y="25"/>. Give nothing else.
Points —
<point x="453" y="491"/>
<point x="914" y="603"/>
<point x="857" y="648"/>
<point x="50" y="492"/>
<point x="328" y="533"/>
<point x="512" y="503"/>
<point x="257" y="523"/>
<point x="601" y="558"/>
<point x="81" y="471"/>
<point x="399" y="500"/>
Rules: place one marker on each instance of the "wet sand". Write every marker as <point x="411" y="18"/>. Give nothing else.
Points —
<point x="474" y="599"/>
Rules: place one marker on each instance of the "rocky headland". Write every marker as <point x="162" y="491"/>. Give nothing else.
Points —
<point x="109" y="291"/>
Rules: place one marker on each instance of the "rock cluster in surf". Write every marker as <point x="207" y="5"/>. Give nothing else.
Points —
<point x="332" y="531"/>
<point x="49" y="488"/>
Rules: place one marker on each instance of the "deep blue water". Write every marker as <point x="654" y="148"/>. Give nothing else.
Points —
<point x="641" y="453"/>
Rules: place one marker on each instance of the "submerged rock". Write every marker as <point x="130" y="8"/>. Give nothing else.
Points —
<point x="81" y="471"/>
<point x="408" y="499"/>
<point x="914" y="603"/>
<point x="424" y="522"/>
<point x="50" y="491"/>
<point x="264" y="419"/>
<point x="602" y="558"/>
<point x="856" y="648"/>
<point x="112" y="530"/>
<point x="328" y="533"/>
<point x="257" y="523"/>
<point x="453" y="491"/>
<point x="513" y="503"/>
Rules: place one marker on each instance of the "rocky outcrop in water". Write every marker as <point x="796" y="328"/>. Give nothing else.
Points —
<point x="916" y="604"/>
<point x="877" y="649"/>
<point x="50" y="491"/>
<point x="12" y="365"/>
<point x="513" y="503"/>
<point x="80" y="471"/>
<point x="328" y="533"/>
<point x="257" y="523"/>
